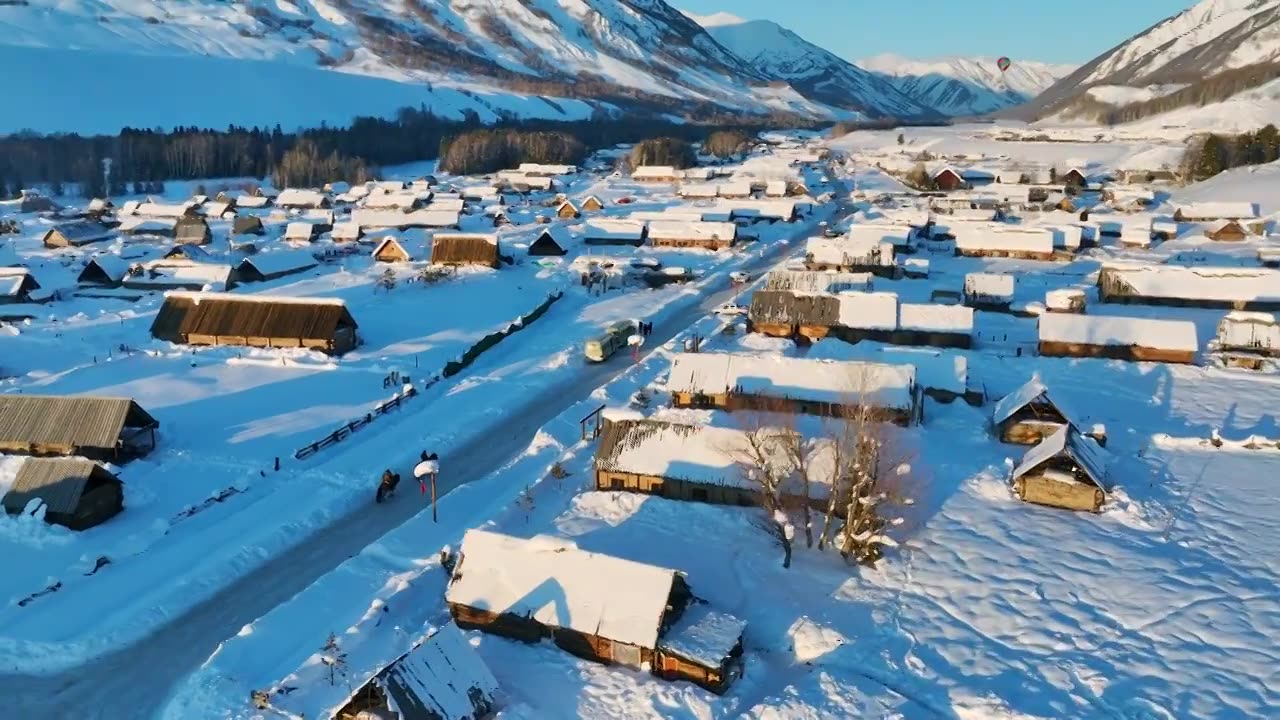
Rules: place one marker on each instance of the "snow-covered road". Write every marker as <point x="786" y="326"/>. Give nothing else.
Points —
<point x="135" y="681"/>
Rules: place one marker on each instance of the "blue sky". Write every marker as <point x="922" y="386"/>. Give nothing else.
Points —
<point x="1073" y="32"/>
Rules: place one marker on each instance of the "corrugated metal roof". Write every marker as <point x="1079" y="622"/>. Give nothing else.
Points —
<point x="58" y="482"/>
<point x="79" y="421"/>
<point x="236" y="316"/>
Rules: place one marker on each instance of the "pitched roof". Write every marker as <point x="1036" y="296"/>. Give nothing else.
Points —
<point x="675" y="230"/>
<point x="1199" y="283"/>
<point x="477" y="248"/>
<point x="112" y="267"/>
<point x="1218" y="211"/>
<point x="280" y="261"/>
<point x="80" y="232"/>
<point x="614" y="230"/>
<point x="802" y="379"/>
<point x="1174" y="335"/>
<point x="79" y="421"/>
<point x="58" y="482"/>
<point x="794" y="308"/>
<point x="1030" y="391"/>
<point x="817" y="281"/>
<point x="220" y="314"/>
<point x="425" y="218"/>
<point x="553" y="582"/>
<point x="1067" y="441"/>
<point x="15" y="281"/>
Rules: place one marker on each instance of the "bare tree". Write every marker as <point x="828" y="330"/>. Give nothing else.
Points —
<point x="870" y="478"/>
<point x="764" y="453"/>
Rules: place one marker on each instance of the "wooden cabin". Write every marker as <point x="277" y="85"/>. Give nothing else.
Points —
<point x="596" y="607"/>
<point x="857" y="316"/>
<point x="615" y="232"/>
<point x="947" y="180"/>
<point x="1119" y="338"/>
<point x="1249" y="340"/>
<point x="853" y="253"/>
<point x="33" y="202"/>
<point x="1226" y="231"/>
<point x="296" y="199"/>
<point x="302" y="232"/>
<point x="465" y="249"/>
<point x="1065" y="470"/>
<point x="391" y="250"/>
<point x="77" y="493"/>
<point x="550" y="242"/>
<point x="195" y="318"/>
<point x="1006" y="241"/>
<point x="262" y="267"/>
<point x="730" y="381"/>
<point x="567" y="211"/>
<point x="343" y="232"/>
<point x="656" y="174"/>
<point x="183" y="274"/>
<point x="247" y="225"/>
<point x="1069" y="300"/>
<point x="592" y="204"/>
<point x="1075" y="177"/>
<point x="192" y="231"/>
<point x="441" y="678"/>
<point x="1208" y="212"/>
<point x="76" y="234"/>
<point x="104" y="271"/>
<point x="16" y="285"/>
<point x="1027" y="415"/>
<point x="704" y="235"/>
<point x="98" y="428"/>
<point x="1226" y="288"/>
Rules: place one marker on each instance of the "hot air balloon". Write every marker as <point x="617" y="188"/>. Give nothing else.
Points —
<point x="1004" y="63"/>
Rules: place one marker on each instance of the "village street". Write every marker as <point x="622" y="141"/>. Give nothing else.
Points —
<point x="134" y="681"/>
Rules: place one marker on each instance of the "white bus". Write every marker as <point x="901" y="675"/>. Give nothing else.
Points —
<point x="613" y="339"/>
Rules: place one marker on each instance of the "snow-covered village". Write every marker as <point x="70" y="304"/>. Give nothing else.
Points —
<point x="613" y="359"/>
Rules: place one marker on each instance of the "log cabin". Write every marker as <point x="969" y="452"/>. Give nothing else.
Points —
<point x="1118" y="338"/>
<point x="1065" y="470"/>
<point x="98" y="428"/>
<point x="1027" y="415"/>
<point x="77" y="493"/>
<point x="265" y="321"/>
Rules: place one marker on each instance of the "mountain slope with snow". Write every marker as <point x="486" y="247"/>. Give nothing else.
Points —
<point x="1199" y="47"/>
<point x="485" y="56"/>
<point x="818" y="74"/>
<point x="966" y="86"/>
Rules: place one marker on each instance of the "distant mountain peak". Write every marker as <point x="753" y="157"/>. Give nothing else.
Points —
<point x="957" y="86"/>
<point x="715" y="19"/>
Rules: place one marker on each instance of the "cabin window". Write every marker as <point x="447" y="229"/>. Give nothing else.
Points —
<point x="615" y="483"/>
<point x="698" y="494"/>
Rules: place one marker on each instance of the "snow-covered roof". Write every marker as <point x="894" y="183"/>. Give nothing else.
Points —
<point x="677" y="230"/>
<point x="703" y="635"/>
<point x="1068" y="441"/>
<point x="768" y="208"/>
<point x="396" y="219"/>
<point x="1064" y="299"/>
<point x="935" y="369"/>
<point x="1175" y="335"/>
<point x="345" y="231"/>
<point x="1018" y="399"/>
<point x="793" y="378"/>
<point x="300" y="231"/>
<point x="401" y="199"/>
<point x="699" y="173"/>
<point x="775" y="188"/>
<point x="160" y="210"/>
<point x="479" y="192"/>
<point x="614" y="229"/>
<point x="543" y="169"/>
<point x="139" y="225"/>
<point x="555" y="583"/>
<point x="1217" y="211"/>
<point x="446" y="204"/>
<point x="996" y="285"/>
<point x="490" y="238"/>
<point x="186" y="274"/>
<point x="296" y="197"/>
<point x="196" y="297"/>
<point x="280" y="261"/>
<point x="868" y="310"/>
<point x="1002" y="238"/>
<point x="735" y="188"/>
<point x="532" y="182"/>
<point x="847" y="252"/>
<point x="1249" y="330"/>
<point x="935" y="318"/>
<point x="1200" y="283"/>
<point x="12" y="280"/>
<point x="699" y="190"/>
<point x="817" y="281"/>
<point x="216" y="208"/>
<point x="113" y="266"/>
<point x="659" y="172"/>
<point x="252" y="201"/>
<point x="879" y="233"/>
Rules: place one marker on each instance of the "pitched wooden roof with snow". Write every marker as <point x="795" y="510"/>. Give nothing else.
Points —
<point x="1067" y="441"/>
<point x="78" y="422"/>
<point x="249" y="316"/>
<point x="891" y="386"/>
<point x="1172" y="335"/>
<point x="57" y="482"/>
<point x="558" y="585"/>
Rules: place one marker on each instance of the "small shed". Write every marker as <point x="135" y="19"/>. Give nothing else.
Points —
<point x="1065" y="470"/>
<point x="16" y="285"/>
<point x="1027" y="415"/>
<point x="592" y="203"/>
<point x="346" y="232"/>
<point x="1069" y="300"/>
<point x="77" y="493"/>
<point x="247" y="225"/>
<point x="1075" y="177"/>
<point x="551" y="241"/>
<point x="989" y="291"/>
<point x="76" y="234"/>
<point x="99" y="428"/>
<point x="391" y="250"/>
<point x="199" y="318"/>
<point x="567" y="211"/>
<point x="261" y="267"/>
<point x="441" y="678"/>
<point x="104" y="270"/>
<point x="947" y="179"/>
<point x="293" y="198"/>
<point x="465" y="249"/>
<point x="192" y="231"/>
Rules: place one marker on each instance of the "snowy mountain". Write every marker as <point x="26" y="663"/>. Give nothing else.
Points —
<point x="818" y="74"/>
<point x="966" y="86"/>
<point x="1214" y="43"/>
<point x="252" y="61"/>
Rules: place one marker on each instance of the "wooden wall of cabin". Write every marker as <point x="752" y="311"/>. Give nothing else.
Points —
<point x="1043" y="490"/>
<point x="1116" y="352"/>
<point x="506" y="625"/>
<point x="675" y="489"/>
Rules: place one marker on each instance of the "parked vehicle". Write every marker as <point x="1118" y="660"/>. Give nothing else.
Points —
<point x="739" y="277"/>
<point x="731" y="309"/>
<point x="611" y="341"/>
